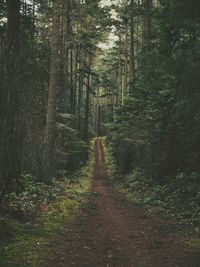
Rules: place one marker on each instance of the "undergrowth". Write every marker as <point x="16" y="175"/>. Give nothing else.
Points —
<point x="178" y="199"/>
<point x="34" y="217"/>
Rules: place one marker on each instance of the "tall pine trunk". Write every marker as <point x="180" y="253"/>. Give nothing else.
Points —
<point x="9" y="102"/>
<point x="132" y="43"/>
<point x="147" y="23"/>
<point x="48" y="153"/>
<point x="80" y="89"/>
<point x="87" y="101"/>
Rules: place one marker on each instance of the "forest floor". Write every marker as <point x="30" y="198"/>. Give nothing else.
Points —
<point x="112" y="231"/>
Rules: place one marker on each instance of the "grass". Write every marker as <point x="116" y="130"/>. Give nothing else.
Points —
<point x="24" y="243"/>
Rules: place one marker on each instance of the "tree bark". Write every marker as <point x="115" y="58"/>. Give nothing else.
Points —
<point x="147" y="23"/>
<point x="87" y="101"/>
<point x="9" y="110"/>
<point x="80" y="89"/>
<point x="132" y="51"/>
<point x="48" y="157"/>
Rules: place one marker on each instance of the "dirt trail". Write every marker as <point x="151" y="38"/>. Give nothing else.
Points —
<point x="110" y="231"/>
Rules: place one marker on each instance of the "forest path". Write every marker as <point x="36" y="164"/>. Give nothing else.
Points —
<point x="111" y="231"/>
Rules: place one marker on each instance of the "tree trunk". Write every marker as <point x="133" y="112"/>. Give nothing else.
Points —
<point x="48" y="159"/>
<point x="132" y="52"/>
<point x="72" y="80"/>
<point x="87" y="101"/>
<point x="9" y="110"/>
<point x="147" y="23"/>
<point x="80" y="90"/>
<point x="75" y="80"/>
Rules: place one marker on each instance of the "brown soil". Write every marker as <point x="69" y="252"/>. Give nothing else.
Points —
<point x="111" y="231"/>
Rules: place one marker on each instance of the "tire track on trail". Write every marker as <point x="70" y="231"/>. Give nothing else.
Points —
<point x="111" y="231"/>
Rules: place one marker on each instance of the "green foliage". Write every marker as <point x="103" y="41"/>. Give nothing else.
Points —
<point x="156" y="128"/>
<point x="178" y="198"/>
<point x="110" y="160"/>
<point x="27" y="204"/>
<point x="26" y="242"/>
